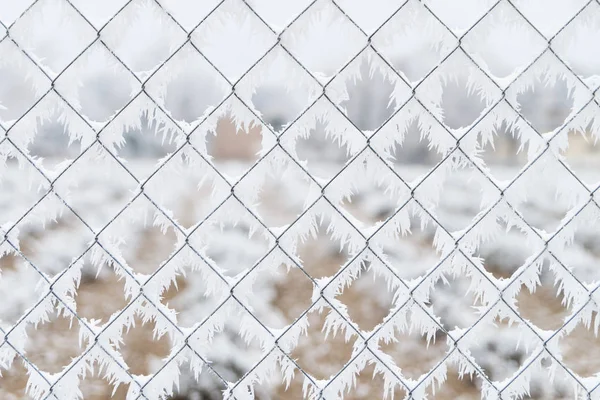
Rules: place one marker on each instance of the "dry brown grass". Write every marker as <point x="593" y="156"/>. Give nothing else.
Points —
<point x="55" y="344"/>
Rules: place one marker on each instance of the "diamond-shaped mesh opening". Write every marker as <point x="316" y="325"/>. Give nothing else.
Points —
<point x="103" y="86"/>
<point x="460" y="104"/>
<point x="509" y="248"/>
<point x="498" y="351"/>
<point x="89" y="177"/>
<point x="52" y="345"/>
<point x="235" y="148"/>
<point x="412" y="156"/>
<point x="224" y="348"/>
<point x="372" y="203"/>
<point x="502" y="30"/>
<point x="321" y="152"/>
<point x="235" y="27"/>
<point x="145" y="145"/>
<point x="278" y="89"/>
<point x="53" y="145"/>
<point x="50" y="134"/>
<point x="502" y="150"/>
<point x="215" y="237"/>
<point x="142" y="237"/>
<point x="190" y="304"/>
<point x="464" y="198"/>
<point x="282" y="305"/>
<point x="278" y="202"/>
<point x="545" y="305"/>
<point x="312" y="352"/>
<point x="410" y="49"/>
<point x="193" y="198"/>
<point x="100" y="293"/>
<point x="406" y="245"/>
<point x="555" y="99"/>
<point x="142" y="351"/>
<point x="316" y="39"/>
<point x="468" y="86"/>
<point x="277" y="113"/>
<point x="547" y="208"/>
<point x="187" y="86"/>
<point x="131" y="41"/>
<point x="372" y="107"/>
<point x="321" y="254"/>
<point x="404" y="349"/>
<point x="46" y="249"/>
<point x="368" y="299"/>
<point x="366" y="202"/>
<point x="54" y="33"/>
<point x="453" y="301"/>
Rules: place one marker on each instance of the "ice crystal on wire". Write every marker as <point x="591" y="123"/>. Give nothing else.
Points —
<point x="103" y="71"/>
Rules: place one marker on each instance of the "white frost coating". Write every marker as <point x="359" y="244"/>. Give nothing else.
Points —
<point x="229" y="257"/>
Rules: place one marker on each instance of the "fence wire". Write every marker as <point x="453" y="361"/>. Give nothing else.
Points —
<point x="409" y="297"/>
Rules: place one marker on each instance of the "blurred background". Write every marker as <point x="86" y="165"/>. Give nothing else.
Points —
<point x="98" y="84"/>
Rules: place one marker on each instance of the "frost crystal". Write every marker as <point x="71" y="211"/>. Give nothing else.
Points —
<point x="233" y="151"/>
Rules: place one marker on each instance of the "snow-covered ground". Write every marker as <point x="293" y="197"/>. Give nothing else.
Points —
<point x="279" y="297"/>
<point x="154" y="260"/>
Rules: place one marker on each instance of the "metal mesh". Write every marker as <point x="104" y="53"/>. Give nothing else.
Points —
<point x="457" y="251"/>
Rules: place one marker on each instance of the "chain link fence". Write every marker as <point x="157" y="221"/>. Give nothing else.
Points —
<point x="316" y="199"/>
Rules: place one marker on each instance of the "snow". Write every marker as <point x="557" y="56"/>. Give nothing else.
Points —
<point x="108" y="176"/>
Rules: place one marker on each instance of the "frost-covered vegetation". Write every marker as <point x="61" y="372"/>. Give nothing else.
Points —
<point x="262" y="199"/>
